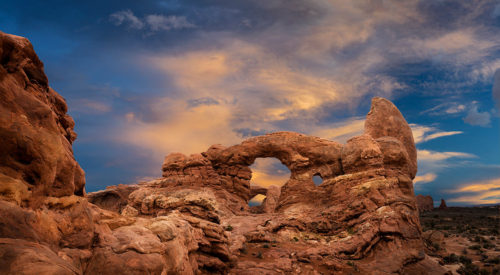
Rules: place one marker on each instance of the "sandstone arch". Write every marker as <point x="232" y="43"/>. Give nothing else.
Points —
<point x="367" y="183"/>
<point x="388" y="149"/>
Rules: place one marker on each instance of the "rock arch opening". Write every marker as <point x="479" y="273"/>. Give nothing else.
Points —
<point x="317" y="179"/>
<point x="256" y="200"/>
<point x="268" y="176"/>
<point x="269" y="171"/>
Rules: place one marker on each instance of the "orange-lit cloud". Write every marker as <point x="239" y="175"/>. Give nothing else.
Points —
<point x="479" y="186"/>
<point x="257" y="199"/>
<point x="269" y="171"/>
<point x="482" y="192"/>
<point x="429" y="177"/>
<point x="269" y="80"/>
<point x="342" y="131"/>
<point x="184" y="129"/>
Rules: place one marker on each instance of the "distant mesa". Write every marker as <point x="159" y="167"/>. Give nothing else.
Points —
<point x="195" y="219"/>
<point x="424" y="203"/>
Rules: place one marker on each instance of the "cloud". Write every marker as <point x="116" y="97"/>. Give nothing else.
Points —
<point x="246" y="132"/>
<point x="231" y="80"/>
<point x="428" y="155"/>
<point x="496" y="85"/>
<point x="481" y="192"/>
<point x="202" y="101"/>
<point x="476" y="118"/>
<point x="431" y="163"/>
<point x="183" y="129"/>
<point x="423" y="133"/>
<point x="158" y="22"/>
<point x="448" y="108"/>
<point x="496" y="11"/>
<point x="257" y="200"/>
<point x="426" y="178"/>
<point x="459" y="46"/>
<point x="341" y="131"/>
<point x="269" y="171"/>
<point x="90" y="106"/>
<point x="126" y="17"/>
<point x="152" y="22"/>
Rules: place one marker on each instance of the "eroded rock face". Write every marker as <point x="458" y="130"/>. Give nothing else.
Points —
<point x="364" y="209"/>
<point x="35" y="130"/>
<point x="424" y="203"/>
<point x="196" y="218"/>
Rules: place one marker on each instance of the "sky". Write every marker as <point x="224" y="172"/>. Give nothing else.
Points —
<point x="143" y="79"/>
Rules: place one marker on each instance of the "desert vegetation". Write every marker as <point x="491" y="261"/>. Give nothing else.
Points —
<point x="464" y="239"/>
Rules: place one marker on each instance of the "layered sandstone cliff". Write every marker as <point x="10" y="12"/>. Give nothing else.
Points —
<point x="196" y="219"/>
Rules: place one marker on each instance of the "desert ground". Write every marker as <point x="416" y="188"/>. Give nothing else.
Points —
<point x="466" y="240"/>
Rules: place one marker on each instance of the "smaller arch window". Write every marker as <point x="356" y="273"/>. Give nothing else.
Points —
<point x="317" y="179"/>
<point x="256" y="200"/>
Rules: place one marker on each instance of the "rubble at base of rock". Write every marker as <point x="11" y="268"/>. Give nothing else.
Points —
<point x="196" y="218"/>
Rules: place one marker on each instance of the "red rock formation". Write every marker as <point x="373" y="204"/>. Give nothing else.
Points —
<point x="196" y="219"/>
<point x="443" y="204"/>
<point x="424" y="203"/>
<point x="36" y="131"/>
<point x="364" y="209"/>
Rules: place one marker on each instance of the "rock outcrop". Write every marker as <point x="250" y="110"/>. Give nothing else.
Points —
<point x="37" y="158"/>
<point x="424" y="203"/>
<point x="443" y="204"/>
<point x="196" y="218"/>
<point x="364" y="210"/>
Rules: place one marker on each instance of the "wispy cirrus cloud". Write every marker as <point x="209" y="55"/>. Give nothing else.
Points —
<point x="428" y="155"/>
<point x="447" y="108"/>
<point x="422" y="133"/>
<point x="127" y="18"/>
<point x="480" y="192"/>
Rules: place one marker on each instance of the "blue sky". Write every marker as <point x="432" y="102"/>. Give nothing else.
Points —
<point x="146" y="78"/>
